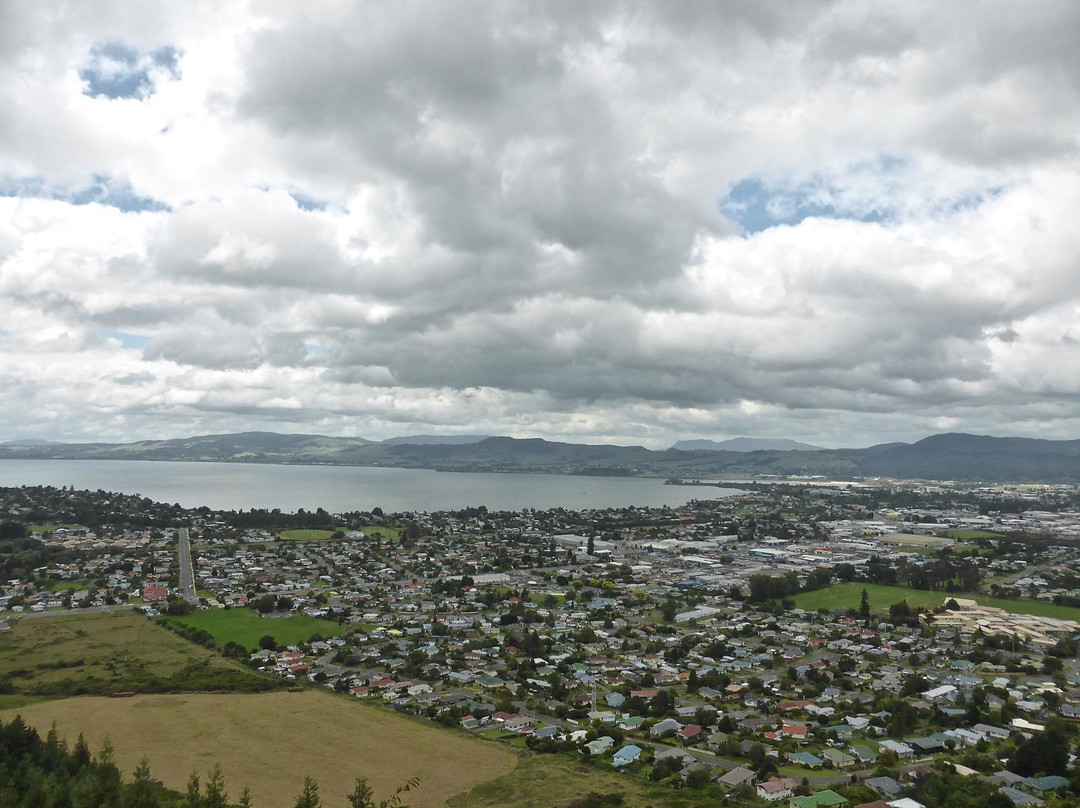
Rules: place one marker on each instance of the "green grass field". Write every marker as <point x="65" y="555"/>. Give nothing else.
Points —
<point x="109" y="653"/>
<point x="974" y="534"/>
<point x="380" y="530"/>
<point x="246" y="627"/>
<point x="305" y="535"/>
<point x="847" y="596"/>
<point x="52" y="528"/>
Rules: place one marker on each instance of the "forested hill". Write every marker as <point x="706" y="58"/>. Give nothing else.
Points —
<point x="961" y="457"/>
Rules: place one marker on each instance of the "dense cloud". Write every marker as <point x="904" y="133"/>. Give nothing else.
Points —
<point x="637" y="222"/>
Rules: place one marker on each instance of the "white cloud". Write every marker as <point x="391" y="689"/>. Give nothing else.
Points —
<point x="635" y="222"/>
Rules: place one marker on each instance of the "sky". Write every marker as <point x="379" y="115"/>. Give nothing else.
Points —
<point x="844" y="223"/>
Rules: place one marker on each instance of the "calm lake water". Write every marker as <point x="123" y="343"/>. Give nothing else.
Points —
<point x="347" y="488"/>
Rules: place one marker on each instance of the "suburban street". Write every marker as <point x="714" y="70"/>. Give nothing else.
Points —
<point x="187" y="575"/>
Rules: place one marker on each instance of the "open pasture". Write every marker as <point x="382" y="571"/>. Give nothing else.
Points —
<point x="270" y="742"/>
<point x="111" y="652"/>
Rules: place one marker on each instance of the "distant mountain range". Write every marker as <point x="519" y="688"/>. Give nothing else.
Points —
<point x="961" y="457"/>
<point x="744" y="445"/>
<point x="435" y="440"/>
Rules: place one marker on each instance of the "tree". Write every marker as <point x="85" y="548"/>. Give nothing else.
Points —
<point x="363" y="797"/>
<point x="309" y="795"/>
<point x="193" y="796"/>
<point x="216" y="796"/>
<point x="141" y="793"/>
<point x="245" y="798"/>
<point x="864" y="605"/>
<point x="268" y="642"/>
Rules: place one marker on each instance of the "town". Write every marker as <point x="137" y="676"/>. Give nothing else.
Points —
<point x="802" y="644"/>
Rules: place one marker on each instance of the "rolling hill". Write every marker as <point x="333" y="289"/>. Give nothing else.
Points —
<point x="956" y="456"/>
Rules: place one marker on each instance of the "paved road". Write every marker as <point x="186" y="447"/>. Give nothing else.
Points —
<point x="187" y="574"/>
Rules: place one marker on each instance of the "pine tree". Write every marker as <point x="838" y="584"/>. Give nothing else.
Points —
<point x="216" y="796"/>
<point x="193" y="796"/>
<point x="309" y="796"/>
<point x="141" y="792"/>
<point x="362" y="795"/>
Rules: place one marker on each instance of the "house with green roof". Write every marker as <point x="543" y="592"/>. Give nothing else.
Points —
<point x="822" y="799"/>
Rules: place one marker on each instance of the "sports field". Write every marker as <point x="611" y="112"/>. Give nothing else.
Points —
<point x="848" y="596"/>
<point x="306" y="535"/>
<point x="247" y="627"/>
<point x="270" y="742"/>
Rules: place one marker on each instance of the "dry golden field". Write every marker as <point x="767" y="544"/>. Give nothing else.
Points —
<point x="269" y="742"/>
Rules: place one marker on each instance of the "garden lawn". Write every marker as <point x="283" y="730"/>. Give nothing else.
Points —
<point x="246" y="627"/>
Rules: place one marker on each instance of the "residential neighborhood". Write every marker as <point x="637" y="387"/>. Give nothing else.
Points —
<point x="687" y="645"/>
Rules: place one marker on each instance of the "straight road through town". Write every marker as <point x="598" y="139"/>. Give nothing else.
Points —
<point x="187" y="574"/>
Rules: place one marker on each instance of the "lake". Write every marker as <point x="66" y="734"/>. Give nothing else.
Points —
<point x="348" y="488"/>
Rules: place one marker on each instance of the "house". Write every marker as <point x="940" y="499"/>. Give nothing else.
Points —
<point x="154" y="593"/>
<point x="823" y="799"/>
<point x="885" y="786"/>
<point x="776" y="788"/>
<point x="1019" y="797"/>
<point x="736" y="777"/>
<point x="716" y="740"/>
<point x="864" y="753"/>
<point x="840" y="760"/>
<point x="906" y="802"/>
<point x="689" y="734"/>
<point x="926" y="746"/>
<point x="901" y="750"/>
<point x="857" y="722"/>
<point x="667" y="725"/>
<point x="811" y="761"/>
<point x="990" y="732"/>
<point x="628" y="754"/>
<point x="1043" y="784"/>
<point x="600" y="745"/>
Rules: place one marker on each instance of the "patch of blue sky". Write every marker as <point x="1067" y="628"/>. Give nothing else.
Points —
<point x="101" y="190"/>
<point x="314" y="349"/>
<point x="117" y="71"/>
<point x="130" y="342"/>
<point x="757" y="206"/>
<point x="308" y="203"/>
<point x="882" y="189"/>
<point x="116" y="194"/>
